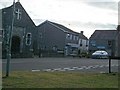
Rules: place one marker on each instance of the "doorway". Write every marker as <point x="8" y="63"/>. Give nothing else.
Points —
<point x="15" y="47"/>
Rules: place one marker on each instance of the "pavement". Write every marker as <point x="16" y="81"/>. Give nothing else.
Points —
<point x="65" y="64"/>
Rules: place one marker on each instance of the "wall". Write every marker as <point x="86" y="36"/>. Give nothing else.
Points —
<point x="50" y="37"/>
<point x="83" y="48"/>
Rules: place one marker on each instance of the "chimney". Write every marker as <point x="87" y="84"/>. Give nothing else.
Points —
<point x="118" y="27"/>
<point x="81" y="32"/>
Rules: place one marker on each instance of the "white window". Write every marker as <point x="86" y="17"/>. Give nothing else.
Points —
<point x="86" y="43"/>
<point x="71" y="37"/>
<point x="28" y="39"/>
<point x="74" y="37"/>
<point x="77" y="38"/>
<point x="18" y="14"/>
<point x="81" y="42"/>
<point x="55" y="48"/>
<point x="67" y="36"/>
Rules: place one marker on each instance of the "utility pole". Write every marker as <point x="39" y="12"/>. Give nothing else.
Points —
<point x="9" y="41"/>
<point x="110" y="51"/>
<point x="109" y="64"/>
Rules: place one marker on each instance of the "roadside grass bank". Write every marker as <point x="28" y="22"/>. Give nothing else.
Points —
<point x="20" y="79"/>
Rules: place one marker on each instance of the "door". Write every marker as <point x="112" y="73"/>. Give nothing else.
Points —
<point x="15" y="47"/>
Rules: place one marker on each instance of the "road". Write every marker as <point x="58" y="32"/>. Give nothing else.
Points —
<point x="61" y="64"/>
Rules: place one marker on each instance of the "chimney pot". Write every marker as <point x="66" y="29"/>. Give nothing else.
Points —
<point x="81" y="32"/>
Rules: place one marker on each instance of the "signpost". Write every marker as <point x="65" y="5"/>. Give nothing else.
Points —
<point x="9" y="40"/>
<point x="109" y="64"/>
<point x="109" y="52"/>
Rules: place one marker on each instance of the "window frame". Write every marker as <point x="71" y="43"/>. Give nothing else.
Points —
<point x="28" y="44"/>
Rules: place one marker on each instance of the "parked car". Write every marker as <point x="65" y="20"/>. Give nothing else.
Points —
<point x="100" y="55"/>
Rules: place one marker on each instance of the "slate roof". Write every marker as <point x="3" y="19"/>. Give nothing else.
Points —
<point x="104" y="34"/>
<point x="65" y="29"/>
<point x="83" y="36"/>
<point x="8" y="9"/>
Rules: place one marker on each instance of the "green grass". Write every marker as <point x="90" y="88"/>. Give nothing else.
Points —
<point x="60" y="80"/>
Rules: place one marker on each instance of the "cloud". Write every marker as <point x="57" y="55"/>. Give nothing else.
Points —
<point x="98" y="25"/>
<point x="105" y="5"/>
<point x="5" y="3"/>
<point x="80" y="25"/>
<point x="62" y="10"/>
<point x="38" y="21"/>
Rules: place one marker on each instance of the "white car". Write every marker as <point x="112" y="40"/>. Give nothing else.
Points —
<point x="100" y="55"/>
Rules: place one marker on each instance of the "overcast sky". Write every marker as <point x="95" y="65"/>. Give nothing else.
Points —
<point x="78" y="15"/>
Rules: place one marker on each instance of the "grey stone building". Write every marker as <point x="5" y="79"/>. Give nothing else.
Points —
<point x="58" y="39"/>
<point x="103" y="40"/>
<point x="23" y="31"/>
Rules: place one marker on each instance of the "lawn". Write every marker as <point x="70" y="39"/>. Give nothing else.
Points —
<point x="60" y="80"/>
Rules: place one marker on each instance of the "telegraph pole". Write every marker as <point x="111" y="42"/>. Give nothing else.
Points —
<point x="109" y="64"/>
<point x="110" y="51"/>
<point x="9" y="38"/>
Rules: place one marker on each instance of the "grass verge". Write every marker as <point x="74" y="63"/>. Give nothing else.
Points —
<point x="60" y="80"/>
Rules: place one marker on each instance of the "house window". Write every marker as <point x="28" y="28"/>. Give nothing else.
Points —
<point x="93" y="43"/>
<point x="18" y="14"/>
<point x="77" y="38"/>
<point x="74" y="38"/>
<point x="81" y="42"/>
<point x="55" y="48"/>
<point x="109" y="43"/>
<point x="28" y="39"/>
<point x="71" y="37"/>
<point x="86" y="43"/>
<point x="67" y="36"/>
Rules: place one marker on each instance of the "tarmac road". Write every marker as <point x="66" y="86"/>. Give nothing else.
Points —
<point x="61" y="64"/>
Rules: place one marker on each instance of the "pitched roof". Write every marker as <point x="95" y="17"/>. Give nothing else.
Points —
<point x="83" y="36"/>
<point x="64" y="29"/>
<point x="104" y="34"/>
<point x="69" y="30"/>
<point x="18" y="4"/>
